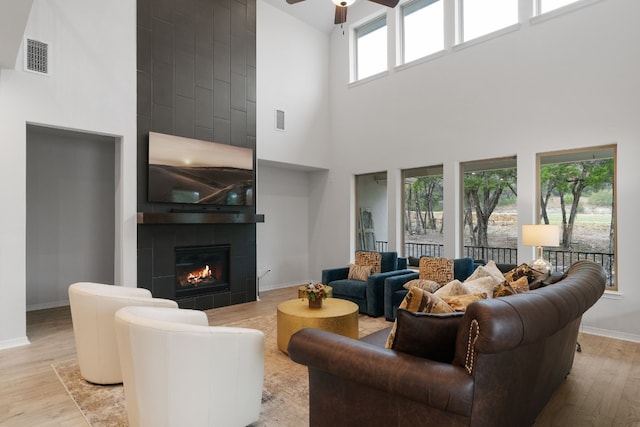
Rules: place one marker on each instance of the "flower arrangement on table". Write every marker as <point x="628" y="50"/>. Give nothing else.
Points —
<point x="315" y="293"/>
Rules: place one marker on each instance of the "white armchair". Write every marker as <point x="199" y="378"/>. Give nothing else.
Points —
<point x="178" y="371"/>
<point x="93" y="306"/>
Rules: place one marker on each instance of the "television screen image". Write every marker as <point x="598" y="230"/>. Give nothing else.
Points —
<point x="191" y="171"/>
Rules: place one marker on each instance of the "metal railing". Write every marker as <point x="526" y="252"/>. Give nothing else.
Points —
<point x="561" y="260"/>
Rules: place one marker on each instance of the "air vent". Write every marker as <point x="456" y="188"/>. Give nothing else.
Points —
<point x="37" y="57"/>
<point x="279" y="120"/>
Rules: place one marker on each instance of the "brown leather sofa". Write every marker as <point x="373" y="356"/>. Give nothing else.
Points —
<point x="507" y="356"/>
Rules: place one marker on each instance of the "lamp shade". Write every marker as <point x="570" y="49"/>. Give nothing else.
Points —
<point x="541" y="235"/>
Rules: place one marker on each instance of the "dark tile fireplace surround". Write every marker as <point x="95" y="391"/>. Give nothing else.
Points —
<point x="157" y="261"/>
<point x="196" y="78"/>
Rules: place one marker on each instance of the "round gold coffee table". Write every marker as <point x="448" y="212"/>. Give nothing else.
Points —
<point x="336" y="315"/>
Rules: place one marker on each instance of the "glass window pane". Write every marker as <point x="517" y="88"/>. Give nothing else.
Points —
<point x="480" y="17"/>
<point x="371" y="48"/>
<point x="423" y="30"/>
<point x="547" y="5"/>
<point x="490" y="217"/>
<point x="577" y="192"/>
<point x="371" y="212"/>
<point x="423" y="211"/>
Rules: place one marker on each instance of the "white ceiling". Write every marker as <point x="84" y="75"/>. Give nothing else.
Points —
<point x="317" y="13"/>
<point x="13" y="20"/>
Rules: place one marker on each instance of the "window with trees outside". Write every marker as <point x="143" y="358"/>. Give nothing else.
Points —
<point x="544" y="6"/>
<point x="577" y="192"/>
<point x="480" y="17"/>
<point x="422" y="29"/>
<point x="423" y="209"/>
<point x="490" y="216"/>
<point x="371" y="48"/>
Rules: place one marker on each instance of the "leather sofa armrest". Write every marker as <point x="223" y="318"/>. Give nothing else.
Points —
<point x="392" y="285"/>
<point x="375" y="291"/>
<point x="332" y="274"/>
<point x="439" y="385"/>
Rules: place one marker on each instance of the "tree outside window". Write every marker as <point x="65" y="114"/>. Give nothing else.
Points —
<point x="423" y="211"/>
<point x="490" y="215"/>
<point x="577" y="192"/>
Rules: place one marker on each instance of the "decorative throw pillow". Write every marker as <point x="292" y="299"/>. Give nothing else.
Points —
<point x="426" y="335"/>
<point x="523" y="270"/>
<point x="359" y="272"/>
<point x="427" y="285"/>
<point x="454" y="287"/>
<point x="419" y="300"/>
<point x="504" y="289"/>
<point x="373" y="259"/>
<point x="521" y="285"/>
<point x="460" y="302"/>
<point x="488" y="270"/>
<point x="439" y="270"/>
<point x="483" y="285"/>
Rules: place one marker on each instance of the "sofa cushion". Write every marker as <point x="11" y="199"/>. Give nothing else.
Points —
<point x="460" y="302"/>
<point x="414" y="261"/>
<point x="372" y="259"/>
<point x="534" y="277"/>
<point x="521" y="285"/>
<point x="485" y="285"/>
<point x="503" y="289"/>
<point x="426" y="335"/>
<point x="388" y="261"/>
<point x="439" y="270"/>
<point x="454" y="287"/>
<point x="350" y="288"/>
<point x="488" y="270"/>
<point x="359" y="272"/>
<point x="427" y="285"/>
<point x="463" y="268"/>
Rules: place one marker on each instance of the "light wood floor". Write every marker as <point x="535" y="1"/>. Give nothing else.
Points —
<point x="602" y="390"/>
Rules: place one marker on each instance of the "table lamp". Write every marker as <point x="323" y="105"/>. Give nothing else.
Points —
<point x="540" y="235"/>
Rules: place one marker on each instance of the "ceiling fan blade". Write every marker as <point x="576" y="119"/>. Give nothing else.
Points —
<point x="341" y="15"/>
<point x="294" y="1"/>
<point x="388" y="3"/>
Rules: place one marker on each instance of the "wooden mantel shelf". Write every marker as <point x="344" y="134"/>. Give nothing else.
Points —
<point x="198" y="218"/>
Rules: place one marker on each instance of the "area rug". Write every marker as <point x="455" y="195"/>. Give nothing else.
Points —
<point x="285" y="396"/>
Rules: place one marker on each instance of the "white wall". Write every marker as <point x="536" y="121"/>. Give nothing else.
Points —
<point x="293" y="76"/>
<point x="283" y="239"/>
<point x="564" y="83"/>
<point x="92" y="88"/>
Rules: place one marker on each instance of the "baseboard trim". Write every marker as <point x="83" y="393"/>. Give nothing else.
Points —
<point x="16" y="342"/>
<point x="610" y="334"/>
<point x="282" y="285"/>
<point x="45" y="305"/>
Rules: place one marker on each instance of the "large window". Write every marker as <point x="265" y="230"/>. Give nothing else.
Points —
<point x="371" y="48"/>
<point x="490" y="213"/>
<point x="423" y="211"/>
<point x="371" y="211"/>
<point x="480" y="17"/>
<point x="422" y="29"/>
<point x="577" y="192"/>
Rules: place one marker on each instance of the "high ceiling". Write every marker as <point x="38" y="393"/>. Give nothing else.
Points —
<point x="317" y="13"/>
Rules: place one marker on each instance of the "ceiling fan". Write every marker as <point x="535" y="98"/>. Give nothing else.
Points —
<point x="341" y="7"/>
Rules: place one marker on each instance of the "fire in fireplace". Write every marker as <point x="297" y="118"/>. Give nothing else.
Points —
<point x="202" y="269"/>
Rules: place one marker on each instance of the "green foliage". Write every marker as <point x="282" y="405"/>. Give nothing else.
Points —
<point x="601" y="198"/>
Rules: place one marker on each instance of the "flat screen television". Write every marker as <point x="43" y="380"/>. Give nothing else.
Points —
<point x="191" y="171"/>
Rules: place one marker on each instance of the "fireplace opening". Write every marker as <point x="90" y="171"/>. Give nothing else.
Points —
<point x="202" y="270"/>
